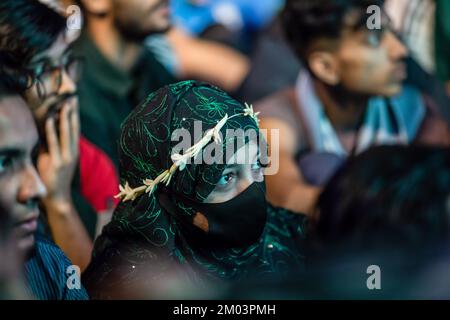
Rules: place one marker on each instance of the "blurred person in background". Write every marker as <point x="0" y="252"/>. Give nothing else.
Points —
<point x="231" y="22"/>
<point x="268" y="73"/>
<point x="235" y="44"/>
<point x="188" y="57"/>
<point x="349" y="96"/>
<point x="424" y="25"/>
<point x="424" y="28"/>
<point x="35" y="45"/>
<point x="46" y="266"/>
<point x="118" y="71"/>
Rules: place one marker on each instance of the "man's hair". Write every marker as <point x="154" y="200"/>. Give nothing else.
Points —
<point x="8" y="86"/>
<point x="27" y="28"/>
<point x="307" y="20"/>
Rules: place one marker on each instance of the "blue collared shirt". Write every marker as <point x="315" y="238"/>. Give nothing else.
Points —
<point x="49" y="273"/>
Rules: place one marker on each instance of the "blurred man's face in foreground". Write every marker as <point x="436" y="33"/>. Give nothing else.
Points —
<point x="20" y="185"/>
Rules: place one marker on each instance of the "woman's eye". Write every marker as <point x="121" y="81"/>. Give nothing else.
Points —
<point x="5" y="163"/>
<point x="226" y="179"/>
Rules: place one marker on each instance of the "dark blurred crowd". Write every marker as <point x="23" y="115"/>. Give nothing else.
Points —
<point x="94" y="203"/>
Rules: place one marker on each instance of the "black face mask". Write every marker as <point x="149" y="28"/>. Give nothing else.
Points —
<point x="235" y="223"/>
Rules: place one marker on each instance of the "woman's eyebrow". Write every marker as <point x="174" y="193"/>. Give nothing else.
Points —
<point x="232" y="166"/>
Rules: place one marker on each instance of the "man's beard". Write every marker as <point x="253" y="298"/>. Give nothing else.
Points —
<point x="131" y="30"/>
<point x="136" y="35"/>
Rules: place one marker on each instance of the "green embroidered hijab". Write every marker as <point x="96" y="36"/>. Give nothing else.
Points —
<point x="141" y="229"/>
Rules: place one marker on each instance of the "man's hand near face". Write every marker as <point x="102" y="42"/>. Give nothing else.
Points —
<point x="57" y="165"/>
<point x="56" y="168"/>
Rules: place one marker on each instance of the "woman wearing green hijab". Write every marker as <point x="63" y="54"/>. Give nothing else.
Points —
<point x="207" y="219"/>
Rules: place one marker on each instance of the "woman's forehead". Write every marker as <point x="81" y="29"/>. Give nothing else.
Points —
<point x="246" y="154"/>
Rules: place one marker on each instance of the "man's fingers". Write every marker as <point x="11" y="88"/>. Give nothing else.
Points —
<point x="65" y="132"/>
<point x="52" y="140"/>
<point x="75" y="130"/>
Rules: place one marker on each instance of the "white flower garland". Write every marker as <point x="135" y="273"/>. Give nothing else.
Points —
<point x="180" y="160"/>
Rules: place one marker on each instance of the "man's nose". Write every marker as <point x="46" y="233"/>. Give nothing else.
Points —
<point x="67" y="83"/>
<point x="32" y="187"/>
<point x="397" y="50"/>
<point x="245" y="183"/>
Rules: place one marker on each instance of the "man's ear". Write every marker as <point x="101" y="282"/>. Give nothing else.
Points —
<point x="97" y="7"/>
<point x="325" y="66"/>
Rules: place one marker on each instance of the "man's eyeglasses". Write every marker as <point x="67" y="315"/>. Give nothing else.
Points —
<point x="48" y="77"/>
